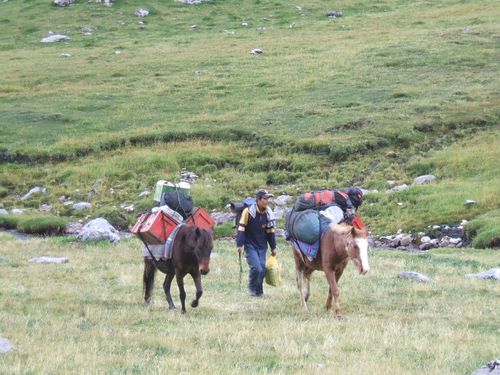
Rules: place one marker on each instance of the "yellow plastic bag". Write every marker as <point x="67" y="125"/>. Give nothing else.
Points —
<point x="273" y="272"/>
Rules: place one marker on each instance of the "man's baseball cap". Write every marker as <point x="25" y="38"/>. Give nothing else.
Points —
<point x="263" y="193"/>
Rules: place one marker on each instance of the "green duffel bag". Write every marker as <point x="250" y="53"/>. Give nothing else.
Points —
<point x="304" y="226"/>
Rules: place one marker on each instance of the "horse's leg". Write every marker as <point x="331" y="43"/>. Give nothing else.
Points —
<point x="333" y="293"/>
<point x="199" y="290"/>
<point x="299" y="273"/>
<point x="166" y="287"/>
<point x="148" y="279"/>
<point x="307" y="276"/>
<point x="182" y="291"/>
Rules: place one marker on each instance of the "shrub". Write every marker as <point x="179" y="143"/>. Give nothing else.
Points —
<point x="224" y="230"/>
<point x="484" y="230"/>
<point x="115" y="216"/>
<point x="41" y="224"/>
<point x="8" y="221"/>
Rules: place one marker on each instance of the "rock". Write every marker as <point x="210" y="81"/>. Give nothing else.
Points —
<point x="406" y="240"/>
<point x="282" y="200"/>
<point x="45" y="208"/>
<point x="425" y="246"/>
<point x="279" y="212"/>
<point x="65" y="55"/>
<point x="55" y="38"/>
<point x="98" y="229"/>
<point x="425" y="239"/>
<point x="142" y="12"/>
<point x="5" y="345"/>
<point x="256" y="51"/>
<point x="73" y="228"/>
<point x="491" y="368"/>
<point x="244" y="24"/>
<point x="398" y="188"/>
<point x="37" y="190"/>
<point x="445" y="242"/>
<point x="49" y="260"/>
<point x="334" y="13"/>
<point x="222" y="217"/>
<point x="493" y="274"/>
<point x="191" y="2"/>
<point x="3" y="211"/>
<point x="391" y="182"/>
<point x="470" y="202"/>
<point x="17" y="211"/>
<point x="413" y="276"/>
<point x="145" y="193"/>
<point x="63" y="3"/>
<point x="391" y="154"/>
<point x="81" y="206"/>
<point x="424" y="179"/>
<point x="128" y="208"/>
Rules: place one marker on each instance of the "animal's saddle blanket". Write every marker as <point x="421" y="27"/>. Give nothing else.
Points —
<point x="163" y="251"/>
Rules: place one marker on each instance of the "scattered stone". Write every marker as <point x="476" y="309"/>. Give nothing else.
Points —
<point x="391" y="182"/>
<point x="244" y="24"/>
<point x="17" y="211"/>
<point x="192" y="2"/>
<point x="73" y="228"/>
<point x="470" y="202"/>
<point x="391" y="154"/>
<point x="87" y="30"/>
<point x="282" y="200"/>
<point x="398" y="188"/>
<point x="128" y="208"/>
<point x="81" y="206"/>
<point x="49" y="260"/>
<point x="142" y="12"/>
<point x="256" y="51"/>
<point x="292" y="25"/>
<point x="187" y="176"/>
<point x="424" y="179"/>
<point x="406" y="240"/>
<point x="493" y="274"/>
<point x="425" y="246"/>
<point x="222" y="217"/>
<point x="116" y="52"/>
<point x="37" y="190"/>
<point x="3" y="211"/>
<point x="491" y="368"/>
<point x="98" y="229"/>
<point x="5" y="345"/>
<point x="335" y="13"/>
<point x="413" y="276"/>
<point x="145" y="193"/>
<point x="65" y="54"/>
<point x="63" y="3"/>
<point x="45" y="208"/>
<point x="55" y="38"/>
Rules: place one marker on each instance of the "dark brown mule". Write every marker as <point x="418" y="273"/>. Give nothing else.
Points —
<point x="190" y="255"/>
<point x="339" y="244"/>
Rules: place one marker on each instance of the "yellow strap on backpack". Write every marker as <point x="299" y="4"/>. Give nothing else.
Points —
<point x="273" y="272"/>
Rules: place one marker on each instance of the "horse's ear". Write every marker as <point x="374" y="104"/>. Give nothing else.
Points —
<point x="198" y="232"/>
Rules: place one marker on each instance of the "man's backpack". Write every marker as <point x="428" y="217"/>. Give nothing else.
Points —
<point x="238" y="207"/>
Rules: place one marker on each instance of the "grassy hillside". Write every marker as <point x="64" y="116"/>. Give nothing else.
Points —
<point x="87" y="316"/>
<point x="391" y="90"/>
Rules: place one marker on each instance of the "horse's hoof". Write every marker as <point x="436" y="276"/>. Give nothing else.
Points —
<point x="172" y="307"/>
<point x="194" y="303"/>
<point x="147" y="300"/>
<point x="339" y="316"/>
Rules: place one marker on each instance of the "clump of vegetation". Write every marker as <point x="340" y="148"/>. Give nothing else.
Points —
<point x="41" y="224"/>
<point x="8" y="221"/>
<point x="484" y="230"/>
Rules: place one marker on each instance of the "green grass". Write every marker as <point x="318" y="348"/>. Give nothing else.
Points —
<point x="321" y="107"/>
<point x="88" y="315"/>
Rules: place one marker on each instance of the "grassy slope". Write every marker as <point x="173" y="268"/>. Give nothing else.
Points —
<point x="403" y="76"/>
<point x="88" y="316"/>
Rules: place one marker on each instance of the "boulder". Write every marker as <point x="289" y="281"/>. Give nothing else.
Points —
<point x="98" y="229"/>
<point x="81" y="206"/>
<point x="424" y="179"/>
<point x="493" y="274"/>
<point x="49" y="260"/>
<point x="491" y="368"/>
<point x="413" y="276"/>
<point x="63" y="3"/>
<point x="35" y="191"/>
<point x="5" y="345"/>
<point x="55" y="38"/>
<point x="398" y="188"/>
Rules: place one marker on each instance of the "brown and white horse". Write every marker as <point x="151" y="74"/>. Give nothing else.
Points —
<point x="340" y="243"/>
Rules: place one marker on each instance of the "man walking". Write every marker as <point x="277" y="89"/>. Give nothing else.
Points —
<point x="255" y="232"/>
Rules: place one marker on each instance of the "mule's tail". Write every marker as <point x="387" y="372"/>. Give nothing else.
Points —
<point x="148" y="278"/>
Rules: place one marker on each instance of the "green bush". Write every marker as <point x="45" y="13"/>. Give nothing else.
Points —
<point x="8" y="221"/>
<point x="41" y="224"/>
<point x="484" y="230"/>
<point x="116" y="217"/>
<point x="224" y="230"/>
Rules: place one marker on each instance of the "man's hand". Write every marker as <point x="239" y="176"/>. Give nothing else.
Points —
<point x="240" y="249"/>
<point x="274" y="252"/>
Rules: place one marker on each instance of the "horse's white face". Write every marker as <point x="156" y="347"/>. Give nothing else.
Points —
<point x="362" y="244"/>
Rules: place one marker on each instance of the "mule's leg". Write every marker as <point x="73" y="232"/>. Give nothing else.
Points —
<point x="148" y="279"/>
<point x="307" y="276"/>
<point x="199" y="290"/>
<point x="300" y="285"/>
<point x="333" y="293"/>
<point x="182" y="291"/>
<point x="166" y="287"/>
